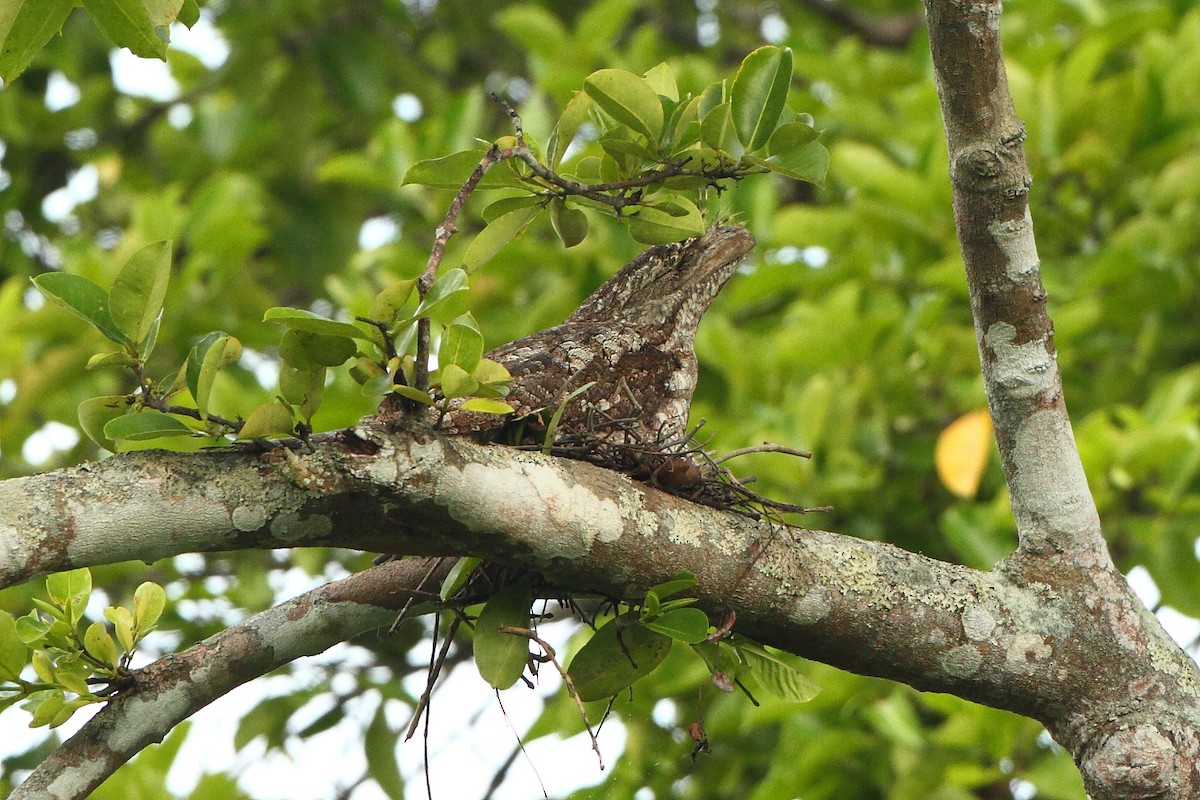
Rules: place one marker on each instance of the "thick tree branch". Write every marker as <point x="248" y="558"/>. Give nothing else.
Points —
<point x="1031" y="646"/>
<point x="173" y="688"/>
<point x="1123" y="750"/>
<point x="1053" y="507"/>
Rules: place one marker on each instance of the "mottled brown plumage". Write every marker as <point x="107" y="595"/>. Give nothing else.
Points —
<point x="633" y="337"/>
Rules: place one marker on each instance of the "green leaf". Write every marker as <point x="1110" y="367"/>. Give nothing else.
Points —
<point x="26" y="26"/>
<point x="570" y="223"/>
<point x="208" y="357"/>
<point x="272" y="418"/>
<point x="302" y="387"/>
<point x="126" y="23"/>
<point x="458" y="576"/>
<point x="778" y="676"/>
<point x="501" y="657"/>
<point x="31" y="628"/>
<point x="303" y="320"/>
<point x="684" y="126"/>
<point x="449" y="284"/>
<point x="491" y="373"/>
<point x="43" y="666"/>
<point x="680" y="583"/>
<point x="117" y="359"/>
<point x="145" y="425"/>
<point x="791" y="135"/>
<point x="662" y="80"/>
<point x="716" y="129"/>
<point x="617" y="655"/>
<point x="379" y="745"/>
<point x="687" y="625"/>
<point x="13" y="652"/>
<point x="451" y="172"/>
<point x="44" y="707"/>
<point x="323" y="723"/>
<point x="74" y="679"/>
<point x="82" y="297"/>
<point x="96" y="412"/>
<point x="808" y="162"/>
<point x="304" y="349"/>
<point x="485" y="405"/>
<point x="574" y="114"/>
<point x="100" y="645"/>
<point x="457" y="382"/>
<point x="68" y="588"/>
<point x="412" y="393"/>
<point x="556" y="417"/>
<point x="149" y="600"/>
<point x="667" y="220"/>
<point x="499" y="232"/>
<point x="628" y="99"/>
<point x="388" y="304"/>
<point x="189" y="13"/>
<point x="122" y="622"/>
<point x="759" y="93"/>
<point x="506" y="204"/>
<point x="462" y="343"/>
<point x="137" y="294"/>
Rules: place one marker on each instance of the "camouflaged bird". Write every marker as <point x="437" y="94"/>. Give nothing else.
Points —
<point x="632" y="339"/>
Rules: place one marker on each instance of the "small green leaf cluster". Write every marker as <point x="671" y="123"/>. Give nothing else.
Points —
<point x="128" y="314"/>
<point x="631" y="645"/>
<point x="313" y="343"/>
<point x="68" y="662"/>
<point x="635" y="146"/>
<point x="130" y="311"/>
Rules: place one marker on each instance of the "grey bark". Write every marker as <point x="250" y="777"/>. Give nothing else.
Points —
<point x="1052" y="632"/>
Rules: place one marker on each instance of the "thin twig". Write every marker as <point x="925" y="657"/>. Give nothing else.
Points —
<point x="765" y="447"/>
<point x="517" y="630"/>
<point x="401" y="618"/>
<point x="441" y="237"/>
<point x="436" y="660"/>
<point x="521" y="745"/>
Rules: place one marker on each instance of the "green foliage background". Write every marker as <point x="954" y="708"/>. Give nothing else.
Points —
<point x="849" y="334"/>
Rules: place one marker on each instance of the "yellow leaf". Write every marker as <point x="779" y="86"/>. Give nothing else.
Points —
<point x="962" y="451"/>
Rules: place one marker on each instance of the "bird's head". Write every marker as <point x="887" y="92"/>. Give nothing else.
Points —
<point x="673" y="283"/>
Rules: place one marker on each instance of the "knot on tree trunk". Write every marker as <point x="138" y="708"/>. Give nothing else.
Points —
<point x="1145" y="759"/>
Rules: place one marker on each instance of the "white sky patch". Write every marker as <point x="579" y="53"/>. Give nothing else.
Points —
<point x="813" y="256"/>
<point x="1180" y="627"/>
<point x="203" y="40"/>
<point x="42" y="444"/>
<point x="180" y="116"/>
<point x="408" y="107"/>
<point x="60" y="92"/>
<point x="142" y="77"/>
<point x="1144" y="586"/>
<point x="33" y="299"/>
<point x="265" y="369"/>
<point x="378" y="231"/>
<point x="774" y="28"/>
<point x="8" y="390"/>
<point x="81" y="187"/>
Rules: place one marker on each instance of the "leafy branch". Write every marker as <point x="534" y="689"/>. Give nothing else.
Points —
<point x="66" y="661"/>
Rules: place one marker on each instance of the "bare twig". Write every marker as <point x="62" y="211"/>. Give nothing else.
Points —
<point x="516" y="630"/>
<point x="765" y="447"/>
<point x="437" y="658"/>
<point x="520" y="747"/>
<point x="441" y="237"/>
